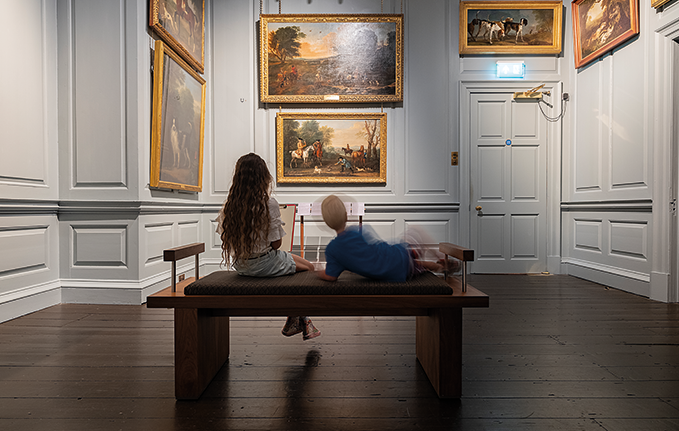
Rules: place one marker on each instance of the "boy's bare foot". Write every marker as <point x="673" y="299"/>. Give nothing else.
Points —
<point x="452" y="266"/>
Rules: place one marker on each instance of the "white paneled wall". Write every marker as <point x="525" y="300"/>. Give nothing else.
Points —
<point x="29" y="239"/>
<point x="612" y="248"/>
<point x="28" y="102"/>
<point x="98" y="95"/>
<point x="616" y="171"/>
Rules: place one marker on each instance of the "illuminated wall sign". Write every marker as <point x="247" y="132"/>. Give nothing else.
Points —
<point x="511" y="69"/>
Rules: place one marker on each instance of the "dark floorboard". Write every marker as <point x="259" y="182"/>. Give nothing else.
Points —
<point x="551" y="353"/>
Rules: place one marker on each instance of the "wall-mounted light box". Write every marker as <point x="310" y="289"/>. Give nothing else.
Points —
<point x="511" y="69"/>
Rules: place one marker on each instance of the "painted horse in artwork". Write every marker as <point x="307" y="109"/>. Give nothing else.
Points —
<point x="358" y="157"/>
<point x="300" y="154"/>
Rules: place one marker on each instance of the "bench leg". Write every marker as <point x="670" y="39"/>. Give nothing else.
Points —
<point x="439" y="350"/>
<point x="201" y="346"/>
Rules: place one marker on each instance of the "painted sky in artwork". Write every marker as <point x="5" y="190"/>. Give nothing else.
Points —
<point x="320" y="37"/>
<point x="346" y="132"/>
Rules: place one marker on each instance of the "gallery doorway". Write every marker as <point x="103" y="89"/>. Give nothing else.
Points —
<point x="508" y="144"/>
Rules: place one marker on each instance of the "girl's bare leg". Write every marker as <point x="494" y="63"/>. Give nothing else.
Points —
<point x="302" y="264"/>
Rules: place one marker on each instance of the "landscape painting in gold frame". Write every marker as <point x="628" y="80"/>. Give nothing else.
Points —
<point x="177" y="123"/>
<point x="181" y="24"/>
<point x="599" y="26"/>
<point x="331" y="58"/>
<point x="331" y="148"/>
<point x="515" y="27"/>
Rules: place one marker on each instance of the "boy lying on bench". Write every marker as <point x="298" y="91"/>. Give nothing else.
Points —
<point x="364" y="254"/>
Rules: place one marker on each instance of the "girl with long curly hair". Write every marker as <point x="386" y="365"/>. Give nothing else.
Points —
<point x="251" y="230"/>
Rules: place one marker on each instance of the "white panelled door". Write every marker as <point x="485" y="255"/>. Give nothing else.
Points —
<point x="508" y="185"/>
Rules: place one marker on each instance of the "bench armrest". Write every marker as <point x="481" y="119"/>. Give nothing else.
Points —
<point x="463" y="254"/>
<point x="179" y="253"/>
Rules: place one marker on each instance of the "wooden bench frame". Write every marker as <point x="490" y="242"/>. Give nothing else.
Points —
<point x="201" y="323"/>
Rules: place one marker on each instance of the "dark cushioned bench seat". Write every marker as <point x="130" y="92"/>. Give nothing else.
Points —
<point x="308" y="283"/>
<point x="202" y="310"/>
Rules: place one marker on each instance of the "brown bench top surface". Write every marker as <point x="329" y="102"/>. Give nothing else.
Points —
<point x="265" y="305"/>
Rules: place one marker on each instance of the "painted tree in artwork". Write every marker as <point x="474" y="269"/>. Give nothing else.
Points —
<point x="290" y="135"/>
<point x="312" y="131"/>
<point x="284" y="42"/>
<point x="371" y="134"/>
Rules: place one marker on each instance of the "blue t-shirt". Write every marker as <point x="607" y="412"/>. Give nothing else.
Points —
<point x="379" y="260"/>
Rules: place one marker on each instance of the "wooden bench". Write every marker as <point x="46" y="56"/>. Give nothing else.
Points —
<point x="201" y="322"/>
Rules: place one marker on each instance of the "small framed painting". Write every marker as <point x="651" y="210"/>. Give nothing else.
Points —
<point x="331" y="148"/>
<point x="331" y="58"/>
<point x="514" y="27"/>
<point x="599" y="26"/>
<point x="177" y="124"/>
<point x="181" y="24"/>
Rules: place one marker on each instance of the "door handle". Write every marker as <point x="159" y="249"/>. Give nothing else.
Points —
<point x="479" y="208"/>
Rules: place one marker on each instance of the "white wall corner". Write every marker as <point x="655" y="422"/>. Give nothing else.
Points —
<point x="660" y="287"/>
<point x="554" y="265"/>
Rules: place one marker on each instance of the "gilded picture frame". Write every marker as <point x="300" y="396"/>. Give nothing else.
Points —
<point x="331" y="58"/>
<point x="331" y="148"/>
<point x="181" y="24"/>
<point x="657" y="4"/>
<point x="514" y="27"/>
<point x="178" y="122"/>
<point x="601" y="26"/>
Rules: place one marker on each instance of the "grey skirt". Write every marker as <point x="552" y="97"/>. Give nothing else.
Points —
<point x="273" y="264"/>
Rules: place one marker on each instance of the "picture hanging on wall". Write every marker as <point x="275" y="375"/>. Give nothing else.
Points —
<point x="515" y="27"/>
<point x="177" y="124"/>
<point x="599" y="26"/>
<point x="331" y="58"/>
<point x="181" y="24"/>
<point x="331" y="148"/>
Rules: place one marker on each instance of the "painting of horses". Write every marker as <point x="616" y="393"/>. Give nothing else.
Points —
<point x="601" y="26"/>
<point x="329" y="148"/>
<point x="331" y="58"/>
<point x="181" y="24"/>
<point x="516" y="27"/>
<point x="177" y="124"/>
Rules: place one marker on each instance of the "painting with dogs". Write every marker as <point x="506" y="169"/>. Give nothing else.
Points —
<point x="331" y="147"/>
<point x="510" y="27"/>
<point x="331" y="58"/>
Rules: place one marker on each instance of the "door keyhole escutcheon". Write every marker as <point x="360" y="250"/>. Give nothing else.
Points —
<point x="479" y="208"/>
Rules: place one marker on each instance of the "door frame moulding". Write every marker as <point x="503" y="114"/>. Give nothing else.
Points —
<point x="554" y="145"/>
<point x="664" y="276"/>
<point x="673" y="288"/>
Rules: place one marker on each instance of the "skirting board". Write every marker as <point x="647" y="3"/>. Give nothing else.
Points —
<point x="630" y="285"/>
<point x="113" y="292"/>
<point x="30" y="303"/>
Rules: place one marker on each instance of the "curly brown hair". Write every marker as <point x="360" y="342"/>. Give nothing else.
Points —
<point x="246" y="211"/>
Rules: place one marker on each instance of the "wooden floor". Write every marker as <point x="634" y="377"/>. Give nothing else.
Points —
<point x="551" y="353"/>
